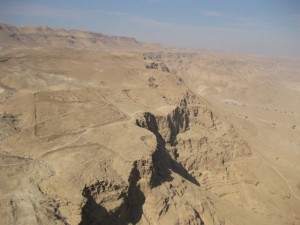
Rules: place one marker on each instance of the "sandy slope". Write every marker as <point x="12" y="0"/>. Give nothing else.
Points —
<point x="259" y="95"/>
<point x="97" y="137"/>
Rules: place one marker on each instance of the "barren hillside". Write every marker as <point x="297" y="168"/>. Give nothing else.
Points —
<point x="43" y="36"/>
<point x="112" y="135"/>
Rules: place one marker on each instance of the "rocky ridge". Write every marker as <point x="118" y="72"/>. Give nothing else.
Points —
<point x="174" y="154"/>
<point x="43" y="36"/>
<point x="92" y="137"/>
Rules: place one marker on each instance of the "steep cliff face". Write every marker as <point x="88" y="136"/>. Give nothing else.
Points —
<point x="109" y="203"/>
<point x="194" y="136"/>
<point x="192" y="149"/>
<point x="90" y="137"/>
<point x="195" y="145"/>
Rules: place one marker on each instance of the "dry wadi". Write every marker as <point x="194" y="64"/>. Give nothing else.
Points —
<point x="96" y="129"/>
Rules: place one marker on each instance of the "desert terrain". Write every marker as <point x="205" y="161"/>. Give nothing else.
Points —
<point x="109" y="130"/>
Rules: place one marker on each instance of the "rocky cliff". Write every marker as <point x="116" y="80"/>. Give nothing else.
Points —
<point x="96" y="137"/>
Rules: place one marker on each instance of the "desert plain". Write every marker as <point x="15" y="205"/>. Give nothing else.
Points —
<point x="96" y="129"/>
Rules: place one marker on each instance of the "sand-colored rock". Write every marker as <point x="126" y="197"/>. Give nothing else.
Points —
<point x="100" y="137"/>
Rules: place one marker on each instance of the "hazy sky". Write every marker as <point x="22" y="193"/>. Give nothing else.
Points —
<point x="251" y="26"/>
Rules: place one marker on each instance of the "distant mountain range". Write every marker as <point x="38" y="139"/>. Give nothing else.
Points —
<point x="57" y="37"/>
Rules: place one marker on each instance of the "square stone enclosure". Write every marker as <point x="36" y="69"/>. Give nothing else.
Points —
<point x="66" y="112"/>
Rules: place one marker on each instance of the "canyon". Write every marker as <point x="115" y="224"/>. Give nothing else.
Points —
<point x="109" y="130"/>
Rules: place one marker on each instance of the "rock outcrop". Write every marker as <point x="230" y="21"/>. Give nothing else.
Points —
<point x="158" y="66"/>
<point x="94" y="137"/>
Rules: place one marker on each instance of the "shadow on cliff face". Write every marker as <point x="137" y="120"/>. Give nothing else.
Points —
<point x="93" y="213"/>
<point x="129" y="212"/>
<point x="163" y="163"/>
